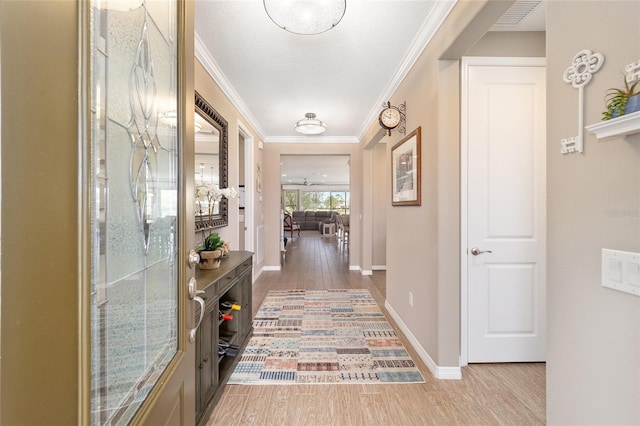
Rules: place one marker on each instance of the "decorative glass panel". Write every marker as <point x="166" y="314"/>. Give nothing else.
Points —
<point x="134" y="205"/>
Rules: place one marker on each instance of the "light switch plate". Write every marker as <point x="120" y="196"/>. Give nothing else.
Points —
<point x="621" y="271"/>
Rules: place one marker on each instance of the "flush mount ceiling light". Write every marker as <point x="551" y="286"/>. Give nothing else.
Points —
<point x="305" y="17"/>
<point x="310" y="125"/>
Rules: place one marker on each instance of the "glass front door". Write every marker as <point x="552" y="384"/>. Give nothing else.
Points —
<point x="134" y="202"/>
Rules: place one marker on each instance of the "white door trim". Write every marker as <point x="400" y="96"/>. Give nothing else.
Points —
<point x="249" y="242"/>
<point x="466" y="62"/>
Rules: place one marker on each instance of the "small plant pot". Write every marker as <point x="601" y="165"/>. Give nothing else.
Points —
<point x="210" y="259"/>
<point x="633" y="104"/>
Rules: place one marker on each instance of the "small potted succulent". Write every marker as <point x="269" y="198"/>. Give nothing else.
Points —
<point x="621" y="101"/>
<point x="211" y="251"/>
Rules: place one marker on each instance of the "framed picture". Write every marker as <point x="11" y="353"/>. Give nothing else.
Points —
<point x="405" y="171"/>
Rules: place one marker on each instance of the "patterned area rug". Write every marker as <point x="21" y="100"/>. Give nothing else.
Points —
<point x="323" y="336"/>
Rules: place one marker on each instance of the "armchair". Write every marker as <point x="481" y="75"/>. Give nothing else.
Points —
<point x="290" y="225"/>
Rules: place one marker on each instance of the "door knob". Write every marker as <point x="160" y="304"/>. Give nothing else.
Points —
<point x="193" y="258"/>
<point x="476" y="251"/>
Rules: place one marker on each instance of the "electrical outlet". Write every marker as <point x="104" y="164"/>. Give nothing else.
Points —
<point x="569" y="145"/>
<point x="411" y="299"/>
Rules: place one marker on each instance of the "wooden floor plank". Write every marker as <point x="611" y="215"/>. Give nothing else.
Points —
<point x="260" y="397"/>
<point x="512" y="394"/>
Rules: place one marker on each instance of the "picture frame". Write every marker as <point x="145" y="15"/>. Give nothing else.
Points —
<point x="406" y="171"/>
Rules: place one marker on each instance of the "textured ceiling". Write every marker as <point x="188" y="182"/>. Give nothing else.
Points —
<point x="343" y="75"/>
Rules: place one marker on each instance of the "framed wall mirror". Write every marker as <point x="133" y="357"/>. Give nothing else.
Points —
<point x="211" y="165"/>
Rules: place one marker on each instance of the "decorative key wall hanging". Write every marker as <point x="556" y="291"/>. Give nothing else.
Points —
<point x="585" y="63"/>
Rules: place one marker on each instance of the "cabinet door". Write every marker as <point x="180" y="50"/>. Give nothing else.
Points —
<point x="208" y="365"/>
<point x="245" y="318"/>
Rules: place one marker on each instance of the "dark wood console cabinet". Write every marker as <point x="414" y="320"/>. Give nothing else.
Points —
<point x="232" y="282"/>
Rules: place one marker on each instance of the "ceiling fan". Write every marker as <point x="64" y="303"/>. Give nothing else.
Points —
<point x="307" y="182"/>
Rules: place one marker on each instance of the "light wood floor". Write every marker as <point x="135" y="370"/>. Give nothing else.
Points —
<point x="511" y="394"/>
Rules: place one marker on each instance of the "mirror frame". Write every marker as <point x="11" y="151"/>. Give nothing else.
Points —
<point x="216" y="120"/>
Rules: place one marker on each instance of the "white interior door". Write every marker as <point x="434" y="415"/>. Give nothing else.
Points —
<point x="504" y="113"/>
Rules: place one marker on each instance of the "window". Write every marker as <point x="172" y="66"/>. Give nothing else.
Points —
<point x="340" y="201"/>
<point x="290" y="201"/>
<point x="337" y="201"/>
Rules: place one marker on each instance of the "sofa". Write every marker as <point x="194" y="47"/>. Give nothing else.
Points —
<point x="308" y="220"/>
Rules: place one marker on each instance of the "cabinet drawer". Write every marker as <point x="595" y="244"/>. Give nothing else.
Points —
<point x="210" y="295"/>
<point x="247" y="264"/>
<point x="227" y="281"/>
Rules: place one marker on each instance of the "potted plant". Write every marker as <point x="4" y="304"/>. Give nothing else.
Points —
<point x="618" y="100"/>
<point x="211" y="251"/>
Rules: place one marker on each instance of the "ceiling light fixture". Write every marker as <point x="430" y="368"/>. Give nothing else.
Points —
<point x="305" y="17"/>
<point x="310" y="125"/>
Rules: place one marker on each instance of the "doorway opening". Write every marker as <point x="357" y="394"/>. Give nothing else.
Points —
<point x="246" y="228"/>
<point x="316" y="198"/>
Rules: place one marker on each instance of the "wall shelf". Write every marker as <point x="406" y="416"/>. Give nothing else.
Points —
<point x="625" y="125"/>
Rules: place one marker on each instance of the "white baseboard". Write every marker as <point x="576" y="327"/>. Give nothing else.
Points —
<point x="366" y="272"/>
<point x="271" y="268"/>
<point x="256" y="274"/>
<point x="379" y="267"/>
<point x="354" y="267"/>
<point x="445" y="373"/>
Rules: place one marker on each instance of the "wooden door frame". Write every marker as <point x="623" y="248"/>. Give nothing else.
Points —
<point x="465" y="63"/>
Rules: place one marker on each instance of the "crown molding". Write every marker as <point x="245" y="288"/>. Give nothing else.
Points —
<point x="311" y="139"/>
<point x="211" y="66"/>
<point x="431" y="25"/>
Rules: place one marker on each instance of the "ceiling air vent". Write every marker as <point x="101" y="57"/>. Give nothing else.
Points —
<point x="517" y="12"/>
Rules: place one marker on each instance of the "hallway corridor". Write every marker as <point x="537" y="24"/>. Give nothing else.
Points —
<point x="487" y="393"/>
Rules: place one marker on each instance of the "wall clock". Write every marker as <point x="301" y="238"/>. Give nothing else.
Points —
<point x="392" y="117"/>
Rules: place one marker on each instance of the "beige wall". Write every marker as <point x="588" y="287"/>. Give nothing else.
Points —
<point x="373" y="200"/>
<point x="272" y="194"/>
<point x="423" y="258"/>
<point x="380" y="197"/>
<point x="429" y="266"/>
<point x="41" y="293"/>
<point x="208" y="88"/>
<point x="593" y="368"/>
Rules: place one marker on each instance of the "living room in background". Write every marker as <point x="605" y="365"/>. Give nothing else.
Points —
<point x="315" y="183"/>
